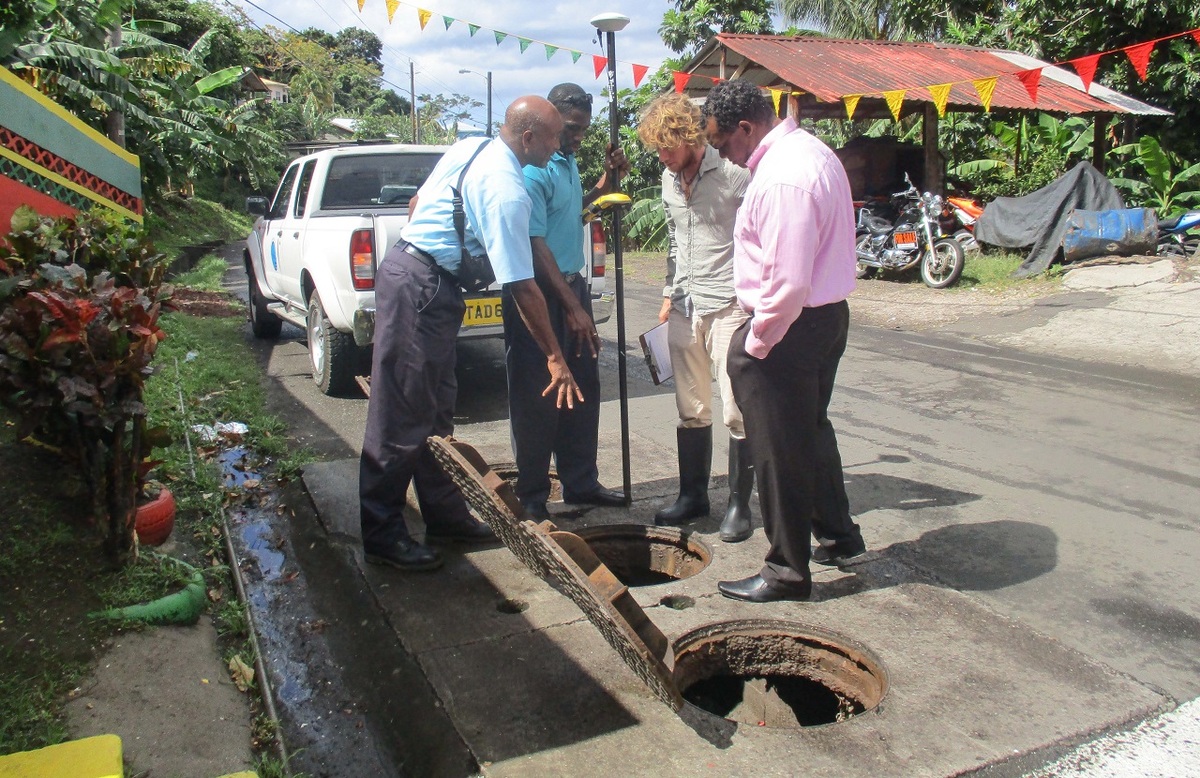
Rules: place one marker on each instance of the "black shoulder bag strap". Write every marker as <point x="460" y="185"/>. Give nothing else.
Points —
<point x="474" y="273"/>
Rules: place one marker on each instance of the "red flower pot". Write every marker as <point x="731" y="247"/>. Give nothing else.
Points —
<point x="156" y="519"/>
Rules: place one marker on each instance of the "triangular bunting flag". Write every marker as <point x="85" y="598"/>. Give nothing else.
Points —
<point x="639" y="72"/>
<point x="423" y="17"/>
<point x="392" y="5"/>
<point x="474" y="28"/>
<point x="895" y="99"/>
<point x="500" y="36"/>
<point x="940" y="94"/>
<point x="985" y="87"/>
<point x="360" y="5"/>
<point x="1031" y="79"/>
<point x="575" y="55"/>
<point x="681" y="80"/>
<point x="775" y="95"/>
<point x="598" y="64"/>
<point x="550" y="50"/>
<point x="1139" y="55"/>
<point x="1086" y="68"/>
<point x="524" y="43"/>
<point x="851" y="102"/>
<point x="447" y="20"/>
<point x="1196" y="36"/>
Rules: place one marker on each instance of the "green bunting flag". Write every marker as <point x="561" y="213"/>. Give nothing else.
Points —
<point x="474" y="28"/>
<point x="550" y="50"/>
<point x="500" y="36"/>
<point x="447" y="20"/>
<point x="524" y="43"/>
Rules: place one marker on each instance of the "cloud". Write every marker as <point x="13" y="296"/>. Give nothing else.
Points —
<point x="437" y="54"/>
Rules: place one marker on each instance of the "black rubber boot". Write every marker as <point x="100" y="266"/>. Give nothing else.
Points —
<point x="695" y="464"/>
<point x="736" y="526"/>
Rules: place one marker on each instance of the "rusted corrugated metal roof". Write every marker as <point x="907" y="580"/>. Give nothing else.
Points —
<point x="828" y="69"/>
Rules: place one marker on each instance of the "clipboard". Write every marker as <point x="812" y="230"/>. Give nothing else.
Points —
<point x="658" y="354"/>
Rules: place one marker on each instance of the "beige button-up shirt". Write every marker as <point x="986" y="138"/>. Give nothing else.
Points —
<point x="700" y="227"/>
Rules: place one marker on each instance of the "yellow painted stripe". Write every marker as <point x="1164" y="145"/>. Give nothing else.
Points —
<point x="9" y="78"/>
<point x="88" y="193"/>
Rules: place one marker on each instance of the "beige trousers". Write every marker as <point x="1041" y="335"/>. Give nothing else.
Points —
<point x="698" y="347"/>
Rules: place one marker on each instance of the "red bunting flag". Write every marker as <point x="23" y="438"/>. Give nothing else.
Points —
<point x="1086" y="68"/>
<point x="1031" y="79"/>
<point x="599" y="63"/>
<point x="1196" y="36"/>
<point x="1139" y="55"/>
<point x="681" y="80"/>
<point x="639" y="72"/>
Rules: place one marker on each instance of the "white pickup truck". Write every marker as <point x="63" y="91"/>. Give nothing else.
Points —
<point x="312" y="254"/>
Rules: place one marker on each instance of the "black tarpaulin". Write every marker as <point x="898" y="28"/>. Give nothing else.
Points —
<point x="1039" y="219"/>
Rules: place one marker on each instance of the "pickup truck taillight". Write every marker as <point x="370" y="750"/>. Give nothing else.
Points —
<point x="362" y="259"/>
<point x="599" y="249"/>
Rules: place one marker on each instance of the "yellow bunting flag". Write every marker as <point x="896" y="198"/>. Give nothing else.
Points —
<point x="985" y="87"/>
<point x="423" y="16"/>
<point x="392" y="5"/>
<point x="775" y="95"/>
<point x="851" y="102"/>
<point x="360" y="4"/>
<point x="940" y="94"/>
<point x="895" y="99"/>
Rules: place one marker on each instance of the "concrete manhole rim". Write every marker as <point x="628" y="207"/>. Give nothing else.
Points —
<point x="840" y="664"/>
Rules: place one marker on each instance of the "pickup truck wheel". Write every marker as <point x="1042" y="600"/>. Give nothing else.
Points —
<point x="263" y="323"/>
<point x="333" y="354"/>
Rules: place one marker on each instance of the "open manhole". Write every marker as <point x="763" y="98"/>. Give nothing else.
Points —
<point x="641" y="555"/>
<point x="776" y="674"/>
<point x="508" y="471"/>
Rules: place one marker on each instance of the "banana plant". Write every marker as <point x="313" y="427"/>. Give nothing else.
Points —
<point x="1166" y="178"/>
<point x="647" y="221"/>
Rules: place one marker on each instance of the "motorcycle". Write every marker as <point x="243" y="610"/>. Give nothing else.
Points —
<point x="959" y="215"/>
<point x="1175" y="238"/>
<point x="915" y="238"/>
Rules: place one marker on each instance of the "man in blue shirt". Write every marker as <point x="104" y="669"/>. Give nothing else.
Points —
<point x="418" y="311"/>
<point x="540" y="427"/>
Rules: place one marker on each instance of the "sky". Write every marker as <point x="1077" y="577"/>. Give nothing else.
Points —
<point x="438" y="54"/>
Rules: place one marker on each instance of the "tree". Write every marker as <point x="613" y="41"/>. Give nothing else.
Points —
<point x="693" y="22"/>
<point x="354" y="44"/>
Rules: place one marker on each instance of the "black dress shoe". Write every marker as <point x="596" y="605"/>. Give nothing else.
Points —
<point x="405" y="554"/>
<point x="838" y="555"/>
<point x="607" y="498"/>
<point x="536" y="511"/>
<point x="757" y="589"/>
<point x="462" y="532"/>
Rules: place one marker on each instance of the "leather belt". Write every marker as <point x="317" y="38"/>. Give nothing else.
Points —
<point x="420" y="254"/>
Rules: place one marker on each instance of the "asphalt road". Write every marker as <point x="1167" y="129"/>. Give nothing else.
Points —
<point x="1059" y="492"/>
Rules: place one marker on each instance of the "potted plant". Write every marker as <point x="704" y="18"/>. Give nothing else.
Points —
<point x="79" y="305"/>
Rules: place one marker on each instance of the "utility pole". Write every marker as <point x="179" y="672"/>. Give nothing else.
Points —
<point x="412" y="98"/>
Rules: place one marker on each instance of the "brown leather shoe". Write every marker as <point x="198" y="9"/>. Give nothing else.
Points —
<point x="757" y="589"/>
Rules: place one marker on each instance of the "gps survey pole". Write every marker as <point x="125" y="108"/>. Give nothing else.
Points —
<point x="609" y="24"/>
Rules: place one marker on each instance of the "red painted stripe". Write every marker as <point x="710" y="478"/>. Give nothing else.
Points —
<point x="14" y="195"/>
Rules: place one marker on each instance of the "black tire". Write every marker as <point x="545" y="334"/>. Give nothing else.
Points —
<point x="263" y="323"/>
<point x="861" y="270"/>
<point x="333" y="354"/>
<point x="941" y="267"/>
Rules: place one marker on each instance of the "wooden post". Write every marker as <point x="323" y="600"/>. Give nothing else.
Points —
<point x="1099" y="121"/>
<point x="934" y="174"/>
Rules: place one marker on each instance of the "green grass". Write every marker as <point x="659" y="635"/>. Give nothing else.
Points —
<point x="993" y="272"/>
<point x="206" y="276"/>
<point x="180" y="222"/>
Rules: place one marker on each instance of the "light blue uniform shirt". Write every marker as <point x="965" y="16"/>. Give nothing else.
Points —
<point x="496" y="204"/>
<point x="557" y="196"/>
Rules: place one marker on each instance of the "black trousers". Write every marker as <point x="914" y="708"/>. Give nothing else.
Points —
<point x="539" y="429"/>
<point x="785" y="401"/>
<point x="418" y="312"/>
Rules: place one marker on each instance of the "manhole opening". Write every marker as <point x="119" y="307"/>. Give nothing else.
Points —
<point x="508" y="471"/>
<point x="640" y="555"/>
<point x="777" y="674"/>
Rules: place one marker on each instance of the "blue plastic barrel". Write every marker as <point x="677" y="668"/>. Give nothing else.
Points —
<point x="1123" y="233"/>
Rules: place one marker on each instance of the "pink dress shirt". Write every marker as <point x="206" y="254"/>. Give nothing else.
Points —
<point x="794" y="235"/>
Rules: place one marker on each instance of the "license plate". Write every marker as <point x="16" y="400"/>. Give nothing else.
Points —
<point x="906" y="240"/>
<point x="481" y="311"/>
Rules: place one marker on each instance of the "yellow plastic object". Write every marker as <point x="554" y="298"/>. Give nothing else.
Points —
<point x="92" y="757"/>
<point x="602" y="203"/>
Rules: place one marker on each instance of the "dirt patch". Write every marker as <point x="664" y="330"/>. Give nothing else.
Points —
<point x="198" y="303"/>
<point x="910" y="305"/>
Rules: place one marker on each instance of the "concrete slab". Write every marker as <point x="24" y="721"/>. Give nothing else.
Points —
<point x="1118" y="276"/>
<point x="535" y="690"/>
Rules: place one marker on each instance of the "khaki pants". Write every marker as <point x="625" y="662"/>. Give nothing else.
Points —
<point x="699" y="346"/>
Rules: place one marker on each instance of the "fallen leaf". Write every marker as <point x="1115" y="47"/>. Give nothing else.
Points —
<point x="243" y="675"/>
<point x="214" y="595"/>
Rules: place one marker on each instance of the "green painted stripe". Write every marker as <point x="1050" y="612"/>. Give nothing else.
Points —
<point x="29" y="119"/>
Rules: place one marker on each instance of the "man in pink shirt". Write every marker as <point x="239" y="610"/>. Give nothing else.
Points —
<point x="793" y="268"/>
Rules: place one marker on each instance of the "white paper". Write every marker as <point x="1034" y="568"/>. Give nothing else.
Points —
<point x="658" y="354"/>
